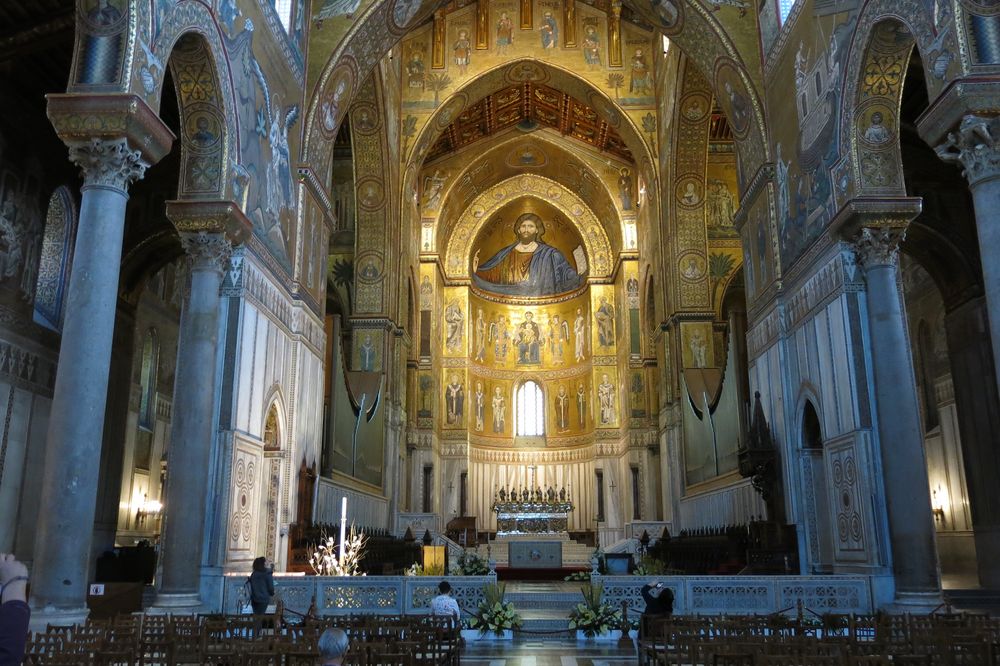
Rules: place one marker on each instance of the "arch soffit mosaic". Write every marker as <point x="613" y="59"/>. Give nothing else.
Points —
<point x="696" y="32"/>
<point x="475" y="217"/>
<point x="189" y="42"/>
<point x="881" y="49"/>
<point x="560" y="166"/>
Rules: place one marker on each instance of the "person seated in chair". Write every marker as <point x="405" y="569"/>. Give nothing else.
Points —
<point x="444" y="604"/>
<point x="332" y="645"/>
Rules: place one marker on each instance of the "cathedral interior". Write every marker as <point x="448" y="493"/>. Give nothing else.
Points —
<point x="681" y="268"/>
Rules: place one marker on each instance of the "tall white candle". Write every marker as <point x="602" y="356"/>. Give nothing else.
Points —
<point x="343" y="527"/>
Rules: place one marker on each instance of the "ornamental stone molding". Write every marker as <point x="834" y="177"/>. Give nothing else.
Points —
<point x="78" y="119"/>
<point x="207" y="251"/>
<point x="878" y="246"/>
<point x="108" y="163"/>
<point x="976" y="146"/>
<point x="483" y="207"/>
<point x="213" y="217"/>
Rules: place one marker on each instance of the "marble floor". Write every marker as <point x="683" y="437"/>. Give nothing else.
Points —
<point x="554" y="651"/>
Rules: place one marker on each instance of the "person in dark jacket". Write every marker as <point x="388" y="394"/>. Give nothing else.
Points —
<point x="659" y="599"/>
<point x="261" y="586"/>
<point x="14" y="611"/>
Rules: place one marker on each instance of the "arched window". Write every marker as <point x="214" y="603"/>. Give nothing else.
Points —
<point x="147" y="380"/>
<point x="272" y="438"/>
<point x="54" y="262"/>
<point x="284" y="10"/>
<point x="812" y="434"/>
<point x="529" y="410"/>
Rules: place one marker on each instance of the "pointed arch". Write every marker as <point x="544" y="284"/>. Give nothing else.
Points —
<point x="55" y="262"/>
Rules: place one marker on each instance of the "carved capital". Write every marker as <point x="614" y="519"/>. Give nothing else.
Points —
<point x="976" y="146"/>
<point x="207" y="251"/>
<point x="878" y="246"/>
<point x="107" y="162"/>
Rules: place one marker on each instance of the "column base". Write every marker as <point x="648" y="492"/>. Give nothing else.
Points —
<point x="915" y="603"/>
<point x="179" y="603"/>
<point x="57" y="617"/>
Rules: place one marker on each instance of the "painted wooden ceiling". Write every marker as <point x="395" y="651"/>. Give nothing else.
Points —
<point x="530" y="105"/>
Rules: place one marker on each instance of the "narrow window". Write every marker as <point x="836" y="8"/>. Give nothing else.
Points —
<point x="600" y="495"/>
<point x="636" y="500"/>
<point x="284" y="9"/>
<point x="428" y="476"/>
<point x="529" y="410"/>
<point x="147" y="381"/>
<point x="463" y="494"/>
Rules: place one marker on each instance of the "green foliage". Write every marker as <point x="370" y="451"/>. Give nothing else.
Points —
<point x="581" y="576"/>
<point x="719" y="265"/>
<point x="342" y="272"/>
<point x="594" y="617"/>
<point x="650" y="566"/>
<point x="471" y="564"/>
<point x="436" y="570"/>
<point x="437" y="82"/>
<point x="493" y="613"/>
<point x="616" y="81"/>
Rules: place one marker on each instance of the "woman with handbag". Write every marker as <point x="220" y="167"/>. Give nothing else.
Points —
<point x="261" y="582"/>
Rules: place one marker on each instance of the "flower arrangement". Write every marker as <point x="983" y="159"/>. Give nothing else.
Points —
<point x="594" y="617"/>
<point x="471" y="564"/>
<point x="416" y="569"/>
<point x="325" y="558"/>
<point x="493" y="613"/>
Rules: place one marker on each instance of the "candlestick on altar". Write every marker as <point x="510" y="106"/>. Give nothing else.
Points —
<point x="343" y="528"/>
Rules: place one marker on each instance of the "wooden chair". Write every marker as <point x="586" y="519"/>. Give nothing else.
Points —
<point x="733" y="659"/>
<point x="868" y="660"/>
<point x="300" y="658"/>
<point x="230" y="658"/>
<point x="157" y="653"/>
<point x="799" y="660"/>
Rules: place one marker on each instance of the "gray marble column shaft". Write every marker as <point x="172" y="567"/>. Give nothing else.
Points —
<point x="904" y="467"/>
<point x="76" y="423"/>
<point x="191" y="436"/>
<point x="975" y="145"/>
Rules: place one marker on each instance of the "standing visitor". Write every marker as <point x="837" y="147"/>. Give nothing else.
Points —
<point x="261" y="586"/>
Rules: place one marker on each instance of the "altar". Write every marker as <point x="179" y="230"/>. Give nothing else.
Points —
<point x="532" y="511"/>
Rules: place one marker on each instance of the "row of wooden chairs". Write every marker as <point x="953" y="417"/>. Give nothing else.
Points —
<point x="244" y="641"/>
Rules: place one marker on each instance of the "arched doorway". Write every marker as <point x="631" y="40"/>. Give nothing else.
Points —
<point x="819" y="529"/>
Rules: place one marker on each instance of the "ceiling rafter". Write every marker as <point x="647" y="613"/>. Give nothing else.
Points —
<point x="528" y="101"/>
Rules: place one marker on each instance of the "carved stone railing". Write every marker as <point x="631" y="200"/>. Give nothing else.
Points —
<point x="747" y="595"/>
<point x="347" y="595"/>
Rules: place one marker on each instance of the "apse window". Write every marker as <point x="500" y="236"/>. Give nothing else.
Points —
<point x="284" y="9"/>
<point x="784" y="9"/>
<point x="529" y="410"/>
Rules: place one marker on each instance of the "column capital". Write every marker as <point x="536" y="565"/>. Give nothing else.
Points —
<point x="214" y="217"/>
<point x="114" y="138"/>
<point x="975" y="144"/>
<point x="206" y="250"/>
<point x="107" y="162"/>
<point x="875" y="226"/>
<point x="877" y="246"/>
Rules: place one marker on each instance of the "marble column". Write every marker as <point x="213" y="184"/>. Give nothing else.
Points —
<point x="192" y="438"/>
<point x="76" y="423"/>
<point x="975" y="145"/>
<point x="904" y="467"/>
